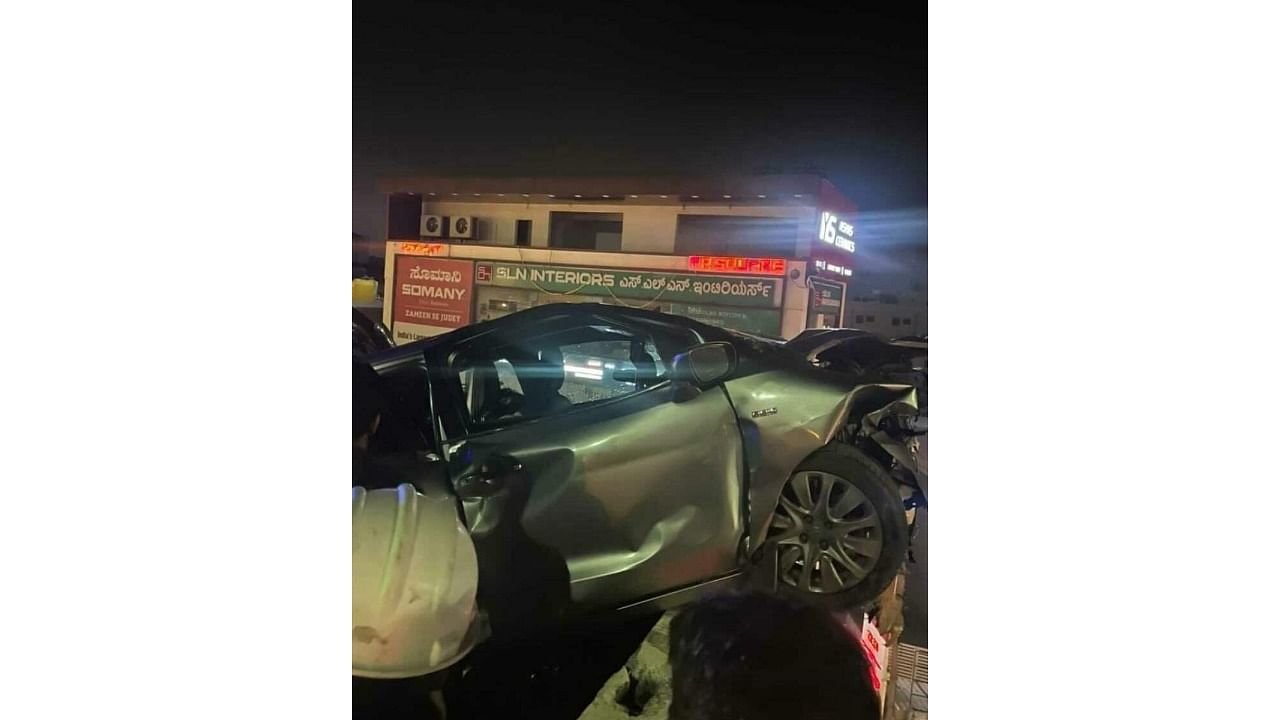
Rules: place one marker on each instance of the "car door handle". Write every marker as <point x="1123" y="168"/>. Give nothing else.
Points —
<point x="479" y="485"/>
<point x="489" y="479"/>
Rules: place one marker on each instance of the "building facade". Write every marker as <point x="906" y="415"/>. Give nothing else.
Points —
<point x="888" y="315"/>
<point x="769" y="255"/>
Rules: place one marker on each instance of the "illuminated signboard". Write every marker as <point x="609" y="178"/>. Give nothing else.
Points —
<point x="827" y="266"/>
<point x="418" y="248"/>
<point x="746" y="266"/>
<point x="835" y="231"/>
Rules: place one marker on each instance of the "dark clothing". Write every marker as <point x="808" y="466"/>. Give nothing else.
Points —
<point x="377" y="471"/>
<point x="539" y="406"/>
<point x="367" y="401"/>
<point x="761" y="657"/>
<point x="408" y="698"/>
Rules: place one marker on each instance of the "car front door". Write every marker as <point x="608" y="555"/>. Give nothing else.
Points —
<point x="631" y="491"/>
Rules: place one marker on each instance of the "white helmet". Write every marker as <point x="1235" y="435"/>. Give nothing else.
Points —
<point x="413" y="583"/>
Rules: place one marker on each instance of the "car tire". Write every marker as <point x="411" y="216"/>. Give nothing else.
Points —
<point x="857" y="545"/>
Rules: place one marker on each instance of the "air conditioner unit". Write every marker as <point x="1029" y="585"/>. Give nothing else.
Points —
<point x="462" y="227"/>
<point x="431" y="226"/>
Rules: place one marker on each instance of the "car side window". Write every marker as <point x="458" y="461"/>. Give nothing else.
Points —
<point x="490" y="387"/>
<point x="510" y="380"/>
<point x="597" y="370"/>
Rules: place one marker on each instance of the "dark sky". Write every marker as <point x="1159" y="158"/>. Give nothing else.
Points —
<point x="487" y="88"/>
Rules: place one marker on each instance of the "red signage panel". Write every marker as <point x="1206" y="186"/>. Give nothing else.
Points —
<point x="433" y="292"/>
<point x="420" y="248"/>
<point x="740" y="265"/>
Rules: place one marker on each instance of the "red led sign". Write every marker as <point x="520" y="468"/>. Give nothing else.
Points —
<point x="743" y="265"/>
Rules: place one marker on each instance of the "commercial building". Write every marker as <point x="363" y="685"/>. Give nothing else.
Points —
<point x="889" y="315"/>
<point x="770" y="255"/>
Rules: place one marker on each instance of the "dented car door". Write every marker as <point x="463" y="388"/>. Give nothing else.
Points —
<point x="635" y="496"/>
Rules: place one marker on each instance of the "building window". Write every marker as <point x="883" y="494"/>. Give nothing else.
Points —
<point x="524" y="232"/>
<point x="897" y="322"/>
<point x="857" y="319"/>
<point x="736" y="236"/>
<point x="871" y="318"/>
<point x="403" y="214"/>
<point x="585" y="231"/>
<point x="906" y="321"/>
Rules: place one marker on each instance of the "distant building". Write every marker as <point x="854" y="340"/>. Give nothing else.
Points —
<point x="889" y="293"/>
<point x="888" y="314"/>
<point x="771" y="255"/>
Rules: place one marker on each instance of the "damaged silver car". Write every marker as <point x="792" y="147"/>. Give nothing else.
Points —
<point x="607" y="458"/>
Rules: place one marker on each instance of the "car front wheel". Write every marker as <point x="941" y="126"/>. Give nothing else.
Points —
<point x="839" y="532"/>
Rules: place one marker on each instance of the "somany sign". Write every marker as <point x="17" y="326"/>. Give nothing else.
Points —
<point x="431" y="295"/>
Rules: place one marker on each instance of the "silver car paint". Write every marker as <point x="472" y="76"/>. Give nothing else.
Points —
<point x="638" y="496"/>
<point x="811" y="408"/>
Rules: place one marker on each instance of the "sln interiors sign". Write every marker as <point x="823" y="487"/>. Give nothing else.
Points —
<point x="431" y="296"/>
<point x="698" y="288"/>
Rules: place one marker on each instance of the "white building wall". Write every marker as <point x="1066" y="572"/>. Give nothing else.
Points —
<point x="884" y="313"/>
<point x="795" y="300"/>
<point x="497" y="221"/>
<point x="649" y="229"/>
<point x="645" y="228"/>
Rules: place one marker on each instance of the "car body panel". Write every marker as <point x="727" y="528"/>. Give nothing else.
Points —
<point x="859" y="345"/>
<point x="787" y="416"/>
<point x="637" y="496"/>
<point x="868" y="358"/>
<point x="901" y="401"/>
<point x="368" y="335"/>
<point x="634" y="500"/>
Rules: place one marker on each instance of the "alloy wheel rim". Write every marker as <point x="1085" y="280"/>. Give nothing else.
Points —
<point x="826" y="533"/>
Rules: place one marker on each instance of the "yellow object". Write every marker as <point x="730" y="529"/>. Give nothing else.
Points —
<point x="364" y="290"/>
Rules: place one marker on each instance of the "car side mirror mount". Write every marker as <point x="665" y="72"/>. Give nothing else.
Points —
<point x="702" y="366"/>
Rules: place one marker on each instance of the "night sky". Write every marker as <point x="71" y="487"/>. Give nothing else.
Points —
<point x="644" y="88"/>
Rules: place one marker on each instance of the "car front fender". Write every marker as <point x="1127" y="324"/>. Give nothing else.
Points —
<point x="785" y="418"/>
